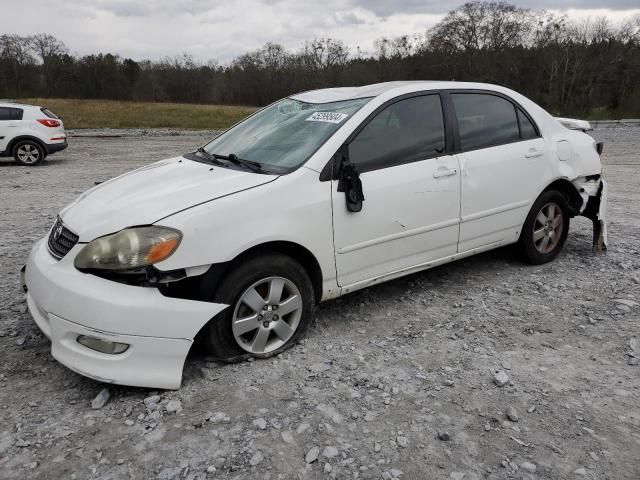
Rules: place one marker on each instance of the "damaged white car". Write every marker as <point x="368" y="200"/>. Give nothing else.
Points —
<point x="310" y="198"/>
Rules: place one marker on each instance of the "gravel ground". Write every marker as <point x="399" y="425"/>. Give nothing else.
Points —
<point x="400" y="380"/>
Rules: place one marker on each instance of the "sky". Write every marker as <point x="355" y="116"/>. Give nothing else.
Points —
<point x="220" y="30"/>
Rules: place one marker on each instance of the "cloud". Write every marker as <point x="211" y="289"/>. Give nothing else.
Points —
<point x="221" y="30"/>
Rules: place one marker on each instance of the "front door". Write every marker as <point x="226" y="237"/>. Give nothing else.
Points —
<point x="410" y="215"/>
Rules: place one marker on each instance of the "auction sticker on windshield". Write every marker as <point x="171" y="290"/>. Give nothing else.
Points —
<point x="329" y="117"/>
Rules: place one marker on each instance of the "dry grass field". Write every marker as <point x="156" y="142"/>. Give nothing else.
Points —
<point x="78" y="113"/>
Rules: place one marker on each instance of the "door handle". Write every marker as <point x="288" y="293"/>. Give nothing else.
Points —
<point x="444" y="172"/>
<point x="534" y="153"/>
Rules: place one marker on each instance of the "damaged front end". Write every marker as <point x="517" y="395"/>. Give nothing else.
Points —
<point x="593" y="191"/>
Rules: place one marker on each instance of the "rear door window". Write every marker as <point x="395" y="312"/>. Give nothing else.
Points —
<point x="485" y="120"/>
<point x="5" y="114"/>
<point x="406" y="131"/>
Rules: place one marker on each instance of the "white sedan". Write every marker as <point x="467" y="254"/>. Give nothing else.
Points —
<point x="315" y="196"/>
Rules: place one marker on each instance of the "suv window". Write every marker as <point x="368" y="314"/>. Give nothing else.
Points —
<point x="10" y="113"/>
<point x="49" y="113"/>
<point x="485" y="120"/>
<point x="406" y="131"/>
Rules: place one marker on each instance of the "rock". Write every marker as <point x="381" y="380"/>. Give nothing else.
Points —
<point x="129" y="423"/>
<point x="626" y="302"/>
<point x="594" y="456"/>
<point x="531" y="409"/>
<point x="402" y="441"/>
<point x="151" y="401"/>
<point x="580" y="471"/>
<point x="633" y="345"/>
<point x="211" y="469"/>
<point x="256" y="458"/>
<point x="330" y="452"/>
<point x="395" y="473"/>
<point x="174" y="406"/>
<point x="312" y="455"/>
<point x="512" y="414"/>
<point x="327" y="468"/>
<point x="444" y="436"/>
<point x="260" y="423"/>
<point x="632" y="361"/>
<point x="101" y="399"/>
<point x="456" y="475"/>
<point x="501" y="378"/>
<point x="377" y="446"/>
<point x="528" y="466"/>
<point x="287" y="437"/>
<point x="219" y="417"/>
<point x="303" y="427"/>
<point x="120" y="461"/>
<point x="22" y="443"/>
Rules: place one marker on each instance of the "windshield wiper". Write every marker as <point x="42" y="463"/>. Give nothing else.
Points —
<point x="208" y="156"/>
<point x="233" y="158"/>
<point x="250" y="164"/>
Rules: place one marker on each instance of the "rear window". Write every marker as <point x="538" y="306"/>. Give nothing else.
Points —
<point x="485" y="120"/>
<point x="10" y="113"/>
<point x="49" y="113"/>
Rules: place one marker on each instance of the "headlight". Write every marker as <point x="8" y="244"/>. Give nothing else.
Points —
<point x="129" y="249"/>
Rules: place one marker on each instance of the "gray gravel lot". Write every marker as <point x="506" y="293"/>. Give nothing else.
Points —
<point x="395" y="381"/>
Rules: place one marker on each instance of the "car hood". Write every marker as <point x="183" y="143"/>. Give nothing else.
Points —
<point x="150" y="193"/>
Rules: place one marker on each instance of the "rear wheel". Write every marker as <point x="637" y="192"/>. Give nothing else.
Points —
<point x="271" y="303"/>
<point x="545" y="229"/>
<point x="28" y="152"/>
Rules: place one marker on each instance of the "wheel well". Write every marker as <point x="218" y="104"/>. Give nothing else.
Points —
<point x="567" y="188"/>
<point x="201" y="287"/>
<point x="299" y="253"/>
<point x="13" y="142"/>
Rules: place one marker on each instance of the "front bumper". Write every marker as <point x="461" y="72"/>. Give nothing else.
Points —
<point x="66" y="303"/>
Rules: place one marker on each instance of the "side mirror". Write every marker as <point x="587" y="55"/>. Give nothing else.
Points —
<point x="349" y="181"/>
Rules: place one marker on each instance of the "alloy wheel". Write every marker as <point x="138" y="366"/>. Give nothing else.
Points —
<point x="28" y="153"/>
<point x="548" y="227"/>
<point x="267" y="315"/>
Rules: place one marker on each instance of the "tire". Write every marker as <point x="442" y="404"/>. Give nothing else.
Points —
<point x="545" y="230"/>
<point x="242" y="331"/>
<point x="28" y="153"/>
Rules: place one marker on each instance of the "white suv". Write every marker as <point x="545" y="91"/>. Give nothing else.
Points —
<point x="29" y="133"/>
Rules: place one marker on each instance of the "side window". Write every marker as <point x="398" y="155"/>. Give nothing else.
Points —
<point x="527" y="130"/>
<point x="16" y="114"/>
<point x="406" y="131"/>
<point x="5" y="113"/>
<point x="485" y="120"/>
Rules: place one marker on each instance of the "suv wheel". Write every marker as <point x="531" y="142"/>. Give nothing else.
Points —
<point x="28" y="152"/>
<point x="271" y="303"/>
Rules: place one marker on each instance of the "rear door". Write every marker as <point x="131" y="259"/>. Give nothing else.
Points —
<point x="10" y="120"/>
<point x="504" y="164"/>
<point x="411" y="186"/>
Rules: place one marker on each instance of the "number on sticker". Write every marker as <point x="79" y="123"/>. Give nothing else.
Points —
<point x="329" y="117"/>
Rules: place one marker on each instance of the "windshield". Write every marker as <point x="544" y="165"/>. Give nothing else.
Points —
<point x="284" y="135"/>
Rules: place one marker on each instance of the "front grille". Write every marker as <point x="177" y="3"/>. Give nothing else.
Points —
<point x="61" y="239"/>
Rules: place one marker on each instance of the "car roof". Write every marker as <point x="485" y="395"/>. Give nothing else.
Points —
<point x="10" y="104"/>
<point x="327" y="95"/>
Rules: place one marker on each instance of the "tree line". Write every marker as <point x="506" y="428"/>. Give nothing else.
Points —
<point x="579" y="68"/>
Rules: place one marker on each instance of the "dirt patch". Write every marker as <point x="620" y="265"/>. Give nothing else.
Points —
<point x="395" y="381"/>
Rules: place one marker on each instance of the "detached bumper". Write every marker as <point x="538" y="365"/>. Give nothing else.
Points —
<point x="158" y="330"/>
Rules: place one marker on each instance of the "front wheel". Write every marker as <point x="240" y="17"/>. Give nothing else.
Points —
<point x="545" y="229"/>
<point x="28" y="152"/>
<point x="271" y="303"/>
